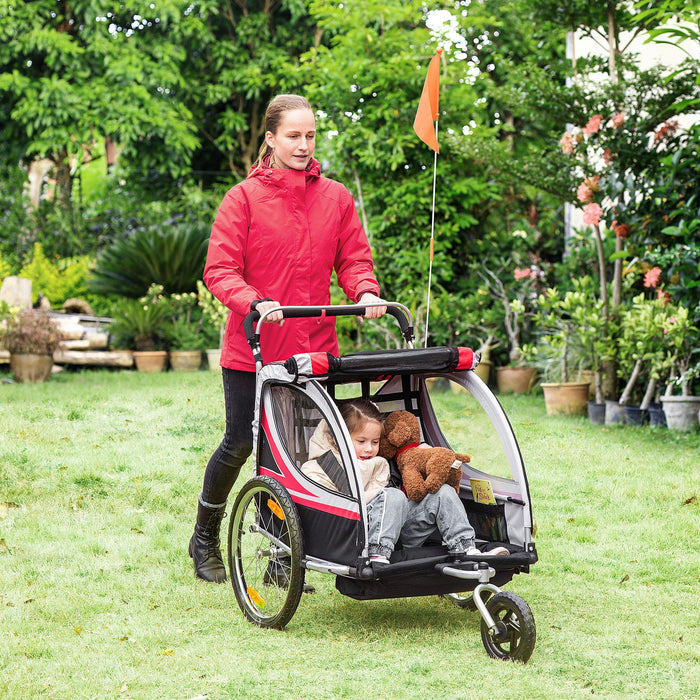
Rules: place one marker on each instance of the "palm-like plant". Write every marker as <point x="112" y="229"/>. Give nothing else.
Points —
<point x="140" y="323"/>
<point x="171" y="255"/>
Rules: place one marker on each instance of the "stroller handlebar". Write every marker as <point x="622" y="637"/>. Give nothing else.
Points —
<point x="398" y="311"/>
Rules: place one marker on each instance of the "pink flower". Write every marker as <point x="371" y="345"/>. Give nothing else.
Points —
<point x="592" y="214"/>
<point x="584" y="193"/>
<point x="521" y="273"/>
<point x="668" y="128"/>
<point x="587" y="188"/>
<point x="593" y="125"/>
<point x="607" y="156"/>
<point x="651" y="278"/>
<point x="566" y="143"/>
<point x="618" y="120"/>
<point x="664" y="296"/>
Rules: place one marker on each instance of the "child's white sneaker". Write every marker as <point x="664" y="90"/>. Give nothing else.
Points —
<point x="496" y="552"/>
<point x="378" y="559"/>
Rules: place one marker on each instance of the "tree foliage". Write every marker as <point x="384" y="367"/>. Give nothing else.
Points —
<point x="72" y="73"/>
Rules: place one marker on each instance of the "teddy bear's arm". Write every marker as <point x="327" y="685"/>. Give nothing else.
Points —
<point x="413" y="484"/>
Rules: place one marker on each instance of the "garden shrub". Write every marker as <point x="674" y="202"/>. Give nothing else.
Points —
<point x="57" y="281"/>
<point x="171" y="254"/>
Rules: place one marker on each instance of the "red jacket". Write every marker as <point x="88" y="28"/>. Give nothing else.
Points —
<point x="280" y="234"/>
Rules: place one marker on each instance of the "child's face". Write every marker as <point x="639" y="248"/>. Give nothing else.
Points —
<point x="365" y="439"/>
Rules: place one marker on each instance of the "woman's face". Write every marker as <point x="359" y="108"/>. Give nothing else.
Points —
<point x="295" y="139"/>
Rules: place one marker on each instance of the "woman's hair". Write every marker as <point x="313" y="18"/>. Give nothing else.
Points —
<point x="357" y="412"/>
<point x="273" y="116"/>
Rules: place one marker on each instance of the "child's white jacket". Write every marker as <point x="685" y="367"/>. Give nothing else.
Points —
<point x="374" y="471"/>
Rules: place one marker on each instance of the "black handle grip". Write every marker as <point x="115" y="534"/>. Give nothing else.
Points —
<point x="399" y="312"/>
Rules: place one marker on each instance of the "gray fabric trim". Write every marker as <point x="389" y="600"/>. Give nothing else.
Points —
<point x="213" y="506"/>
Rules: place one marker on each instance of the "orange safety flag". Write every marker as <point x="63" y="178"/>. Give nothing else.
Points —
<point x="428" y="112"/>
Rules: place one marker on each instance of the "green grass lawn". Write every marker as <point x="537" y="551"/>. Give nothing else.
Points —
<point x="99" y="476"/>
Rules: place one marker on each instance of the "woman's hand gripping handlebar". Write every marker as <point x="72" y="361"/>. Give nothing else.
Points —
<point x="269" y="310"/>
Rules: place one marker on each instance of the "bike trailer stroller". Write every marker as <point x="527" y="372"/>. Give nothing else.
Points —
<point x="283" y="523"/>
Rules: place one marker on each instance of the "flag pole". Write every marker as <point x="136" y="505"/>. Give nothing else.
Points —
<point x="432" y="239"/>
<point x="426" y="127"/>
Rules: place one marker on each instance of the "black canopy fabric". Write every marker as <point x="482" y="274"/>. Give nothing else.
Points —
<point x="380" y="363"/>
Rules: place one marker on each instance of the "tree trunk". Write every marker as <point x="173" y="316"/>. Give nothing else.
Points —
<point x="64" y="180"/>
<point x="624" y="399"/>
<point x="648" y="394"/>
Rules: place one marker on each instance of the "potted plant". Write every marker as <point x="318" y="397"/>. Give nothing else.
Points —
<point x="140" y="324"/>
<point x="214" y="315"/>
<point x="592" y="329"/>
<point x="683" y="342"/>
<point x="515" y="297"/>
<point x="559" y="351"/>
<point x="184" y="332"/>
<point x="31" y="338"/>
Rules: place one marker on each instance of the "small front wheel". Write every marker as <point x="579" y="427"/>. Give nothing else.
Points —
<point x="265" y="553"/>
<point x="513" y="638"/>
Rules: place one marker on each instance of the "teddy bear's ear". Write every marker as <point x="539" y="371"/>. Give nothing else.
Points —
<point x="386" y="449"/>
<point x="397" y="428"/>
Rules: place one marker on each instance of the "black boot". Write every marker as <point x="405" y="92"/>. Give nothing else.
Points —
<point x="205" y="548"/>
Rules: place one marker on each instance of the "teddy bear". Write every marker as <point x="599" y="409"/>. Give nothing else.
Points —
<point x="423" y="469"/>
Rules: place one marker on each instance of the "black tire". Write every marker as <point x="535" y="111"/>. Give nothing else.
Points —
<point x="265" y="553"/>
<point x="515" y="634"/>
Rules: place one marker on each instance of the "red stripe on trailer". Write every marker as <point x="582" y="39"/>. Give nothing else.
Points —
<point x="466" y="358"/>
<point x="319" y="362"/>
<point x="298" y="493"/>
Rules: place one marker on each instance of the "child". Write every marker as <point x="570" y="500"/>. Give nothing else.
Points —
<point x="386" y="506"/>
<point x="389" y="512"/>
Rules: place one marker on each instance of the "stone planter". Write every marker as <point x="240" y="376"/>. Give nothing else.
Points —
<point x="30" y="368"/>
<point x="185" y="360"/>
<point x="483" y="370"/>
<point x="150" y="361"/>
<point x="596" y="412"/>
<point x="681" y="412"/>
<point x="566" y="398"/>
<point x="214" y="359"/>
<point x="614" y="413"/>
<point x="518" y="380"/>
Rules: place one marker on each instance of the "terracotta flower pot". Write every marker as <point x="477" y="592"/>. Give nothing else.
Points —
<point x="566" y="398"/>
<point x="150" y="360"/>
<point x="30" y="367"/>
<point x="518" y="380"/>
<point x="185" y="360"/>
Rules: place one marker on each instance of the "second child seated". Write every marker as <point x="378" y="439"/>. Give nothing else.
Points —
<point x="390" y="514"/>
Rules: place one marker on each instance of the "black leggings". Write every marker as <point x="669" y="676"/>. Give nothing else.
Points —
<point x="226" y="462"/>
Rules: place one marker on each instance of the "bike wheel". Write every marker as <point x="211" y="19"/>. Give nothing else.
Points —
<point x="515" y="633"/>
<point x="265" y="553"/>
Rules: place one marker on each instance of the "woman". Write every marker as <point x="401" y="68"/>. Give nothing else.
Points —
<point x="275" y="241"/>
